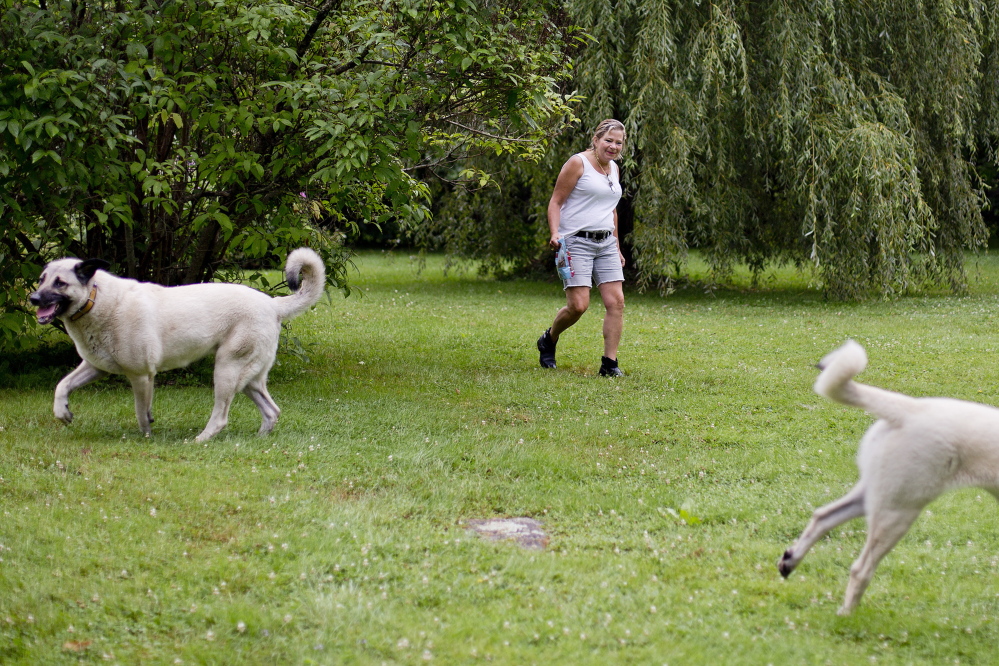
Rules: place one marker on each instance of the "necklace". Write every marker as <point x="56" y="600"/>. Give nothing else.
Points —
<point x="607" y="174"/>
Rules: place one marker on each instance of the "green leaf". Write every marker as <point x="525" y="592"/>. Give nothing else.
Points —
<point x="223" y="220"/>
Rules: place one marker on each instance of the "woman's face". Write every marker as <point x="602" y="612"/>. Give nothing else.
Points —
<point x="610" y="145"/>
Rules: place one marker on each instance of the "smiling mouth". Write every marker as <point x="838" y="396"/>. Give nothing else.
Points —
<point x="47" y="313"/>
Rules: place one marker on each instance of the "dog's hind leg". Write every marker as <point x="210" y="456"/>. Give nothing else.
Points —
<point x="884" y="529"/>
<point x="229" y="378"/>
<point x="220" y="413"/>
<point x="824" y="519"/>
<point x="81" y="376"/>
<point x="142" y="389"/>
<point x="256" y="389"/>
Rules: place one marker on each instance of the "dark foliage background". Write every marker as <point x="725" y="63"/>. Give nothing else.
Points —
<point x="183" y="141"/>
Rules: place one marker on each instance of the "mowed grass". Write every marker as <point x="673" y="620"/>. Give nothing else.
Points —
<point x="341" y="538"/>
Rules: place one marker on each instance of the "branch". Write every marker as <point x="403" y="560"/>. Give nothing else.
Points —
<point x="9" y="242"/>
<point x="310" y="34"/>
<point x="487" y="134"/>
<point x="26" y="242"/>
<point x="447" y="158"/>
<point x="354" y="62"/>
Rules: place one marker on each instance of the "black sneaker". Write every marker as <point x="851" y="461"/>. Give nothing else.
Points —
<point x="547" y="348"/>
<point x="608" y="368"/>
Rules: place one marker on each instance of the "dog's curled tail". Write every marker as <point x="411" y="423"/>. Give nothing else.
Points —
<point x="306" y="275"/>
<point x="840" y="366"/>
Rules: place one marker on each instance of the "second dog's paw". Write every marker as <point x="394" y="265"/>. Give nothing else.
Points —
<point x="786" y="563"/>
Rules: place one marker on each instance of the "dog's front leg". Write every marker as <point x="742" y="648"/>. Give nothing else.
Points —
<point x="83" y="375"/>
<point x="142" y="389"/>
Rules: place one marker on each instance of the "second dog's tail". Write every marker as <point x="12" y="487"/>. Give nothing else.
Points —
<point x="306" y="275"/>
<point x="839" y="367"/>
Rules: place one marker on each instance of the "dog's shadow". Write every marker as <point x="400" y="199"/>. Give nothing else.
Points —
<point x="197" y="374"/>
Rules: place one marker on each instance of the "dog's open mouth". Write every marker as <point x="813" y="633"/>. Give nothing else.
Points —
<point x="46" y="313"/>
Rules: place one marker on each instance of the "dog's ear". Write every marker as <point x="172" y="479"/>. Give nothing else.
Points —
<point x="86" y="269"/>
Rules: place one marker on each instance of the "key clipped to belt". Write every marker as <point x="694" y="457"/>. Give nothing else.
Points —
<point x="563" y="260"/>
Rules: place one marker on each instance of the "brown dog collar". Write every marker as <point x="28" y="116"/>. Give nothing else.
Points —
<point x="88" y="306"/>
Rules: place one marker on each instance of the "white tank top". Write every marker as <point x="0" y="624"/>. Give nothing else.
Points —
<point x="590" y="206"/>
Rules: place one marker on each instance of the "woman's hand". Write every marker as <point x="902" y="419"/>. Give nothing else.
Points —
<point x="553" y="243"/>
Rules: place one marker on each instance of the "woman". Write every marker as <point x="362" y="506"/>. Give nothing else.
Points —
<point x="582" y="213"/>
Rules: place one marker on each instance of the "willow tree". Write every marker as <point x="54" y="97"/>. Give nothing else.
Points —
<point x="839" y="136"/>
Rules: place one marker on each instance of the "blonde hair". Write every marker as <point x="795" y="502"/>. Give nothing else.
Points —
<point x="606" y="126"/>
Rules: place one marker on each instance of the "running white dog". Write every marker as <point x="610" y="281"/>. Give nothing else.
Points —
<point x="917" y="450"/>
<point x="137" y="329"/>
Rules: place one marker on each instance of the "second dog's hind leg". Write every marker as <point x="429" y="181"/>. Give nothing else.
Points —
<point x="824" y="519"/>
<point x="884" y="529"/>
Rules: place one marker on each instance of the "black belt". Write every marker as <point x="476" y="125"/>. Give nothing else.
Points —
<point x="594" y="235"/>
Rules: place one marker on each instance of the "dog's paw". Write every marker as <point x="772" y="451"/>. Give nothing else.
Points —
<point x="63" y="414"/>
<point x="786" y="563"/>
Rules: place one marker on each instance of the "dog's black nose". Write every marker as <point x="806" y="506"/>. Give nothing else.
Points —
<point x="35" y="299"/>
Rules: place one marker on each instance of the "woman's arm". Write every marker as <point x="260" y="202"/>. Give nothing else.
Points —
<point x="567" y="179"/>
<point x="620" y="253"/>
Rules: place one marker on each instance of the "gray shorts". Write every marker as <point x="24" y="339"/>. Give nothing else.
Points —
<point x="593" y="262"/>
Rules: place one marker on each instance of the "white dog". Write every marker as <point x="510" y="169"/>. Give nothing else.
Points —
<point x="918" y="449"/>
<point x="137" y="329"/>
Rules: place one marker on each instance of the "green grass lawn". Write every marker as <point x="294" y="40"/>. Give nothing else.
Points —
<point x="341" y="538"/>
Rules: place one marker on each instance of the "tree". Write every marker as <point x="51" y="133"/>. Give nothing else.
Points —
<point x="177" y="139"/>
<point x="833" y="135"/>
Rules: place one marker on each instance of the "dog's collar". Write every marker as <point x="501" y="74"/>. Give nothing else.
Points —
<point x="88" y="306"/>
